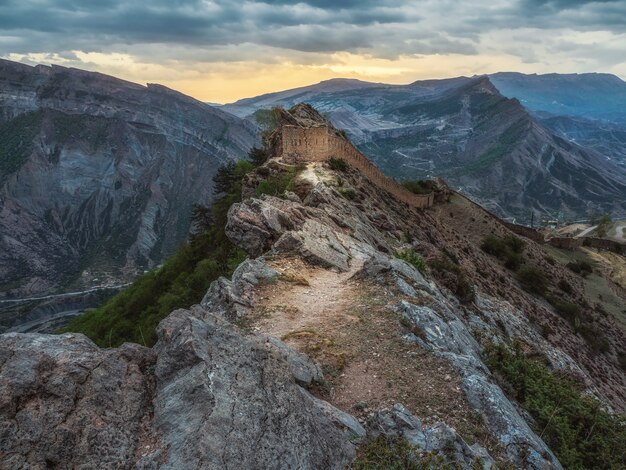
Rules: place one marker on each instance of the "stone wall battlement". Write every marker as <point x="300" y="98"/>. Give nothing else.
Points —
<point x="317" y="144"/>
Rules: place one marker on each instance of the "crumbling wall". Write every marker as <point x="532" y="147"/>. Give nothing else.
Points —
<point x="604" y="244"/>
<point x="524" y="231"/>
<point x="314" y="144"/>
<point x="566" y="243"/>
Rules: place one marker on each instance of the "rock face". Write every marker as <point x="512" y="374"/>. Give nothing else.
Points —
<point x="100" y="175"/>
<point x="228" y="402"/>
<point x="65" y="402"/>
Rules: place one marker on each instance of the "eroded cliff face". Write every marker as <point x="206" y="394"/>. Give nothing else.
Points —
<point x="99" y="175"/>
<point x="320" y="343"/>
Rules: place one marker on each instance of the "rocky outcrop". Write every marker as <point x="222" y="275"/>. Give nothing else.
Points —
<point x="438" y="439"/>
<point x="205" y="397"/>
<point x="448" y="333"/>
<point x="232" y="298"/>
<point x="225" y="401"/>
<point x="446" y="325"/>
<point x="66" y="403"/>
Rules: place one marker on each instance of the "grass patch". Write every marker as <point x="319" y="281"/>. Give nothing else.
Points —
<point x="393" y="453"/>
<point x="509" y="249"/>
<point x="412" y="258"/>
<point x="296" y="279"/>
<point x="573" y="424"/>
<point x="133" y="315"/>
<point x="337" y="164"/>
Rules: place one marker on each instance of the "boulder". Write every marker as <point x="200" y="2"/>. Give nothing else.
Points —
<point x="439" y="439"/>
<point x="229" y="401"/>
<point x="66" y="403"/>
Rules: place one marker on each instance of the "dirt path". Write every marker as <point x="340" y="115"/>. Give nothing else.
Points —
<point x="348" y="327"/>
<point x="310" y="299"/>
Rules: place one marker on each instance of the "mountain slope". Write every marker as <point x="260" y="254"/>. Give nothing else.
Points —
<point x="588" y="95"/>
<point x="486" y="145"/>
<point x="98" y="175"/>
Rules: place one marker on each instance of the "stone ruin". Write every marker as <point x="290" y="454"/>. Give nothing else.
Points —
<point x="305" y="136"/>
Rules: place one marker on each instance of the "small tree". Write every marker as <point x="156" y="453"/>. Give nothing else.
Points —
<point x="225" y="178"/>
<point x="258" y="156"/>
<point x="201" y="218"/>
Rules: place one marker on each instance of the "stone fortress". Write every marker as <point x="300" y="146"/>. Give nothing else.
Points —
<point x="308" y="137"/>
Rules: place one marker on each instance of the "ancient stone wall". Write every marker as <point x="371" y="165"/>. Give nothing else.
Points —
<point x="314" y="144"/>
<point x="524" y="231"/>
<point x="566" y="243"/>
<point x="604" y="244"/>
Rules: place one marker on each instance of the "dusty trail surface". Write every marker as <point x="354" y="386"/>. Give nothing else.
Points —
<point x="347" y="326"/>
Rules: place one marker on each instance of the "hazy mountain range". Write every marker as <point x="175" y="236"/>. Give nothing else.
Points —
<point x="504" y="149"/>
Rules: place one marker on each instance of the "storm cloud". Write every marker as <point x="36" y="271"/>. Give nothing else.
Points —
<point x="207" y="31"/>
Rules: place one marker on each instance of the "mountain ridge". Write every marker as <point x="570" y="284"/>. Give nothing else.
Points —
<point x="99" y="175"/>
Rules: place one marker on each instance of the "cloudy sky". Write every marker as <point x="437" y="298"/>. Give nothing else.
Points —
<point x="221" y="50"/>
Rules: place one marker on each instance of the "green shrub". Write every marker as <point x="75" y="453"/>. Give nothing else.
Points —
<point x="258" y="156"/>
<point x="182" y="281"/>
<point x="277" y="184"/>
<point x="395" y="454"/>
<point x="337" y="164"/>
<point x="348" y="193"/>
<point x="417" y="186"/>
<point x="594" y="338"/>
<point x="582" y="267"/>
<point x="412" y="258"/>
<point x="573" y="424"/>
<point x="452" y="275"/>
<point x="509" y="249"/>
<point x="565" y="286"/>
<point x="533" y="280"/>
<point x="570" y="311"/>
<point x="603" y="222"/>
<point x="573" y="314"/>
